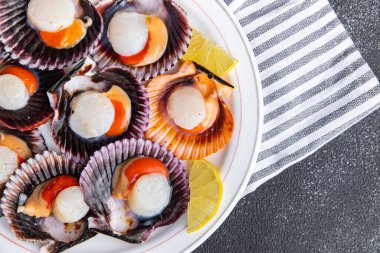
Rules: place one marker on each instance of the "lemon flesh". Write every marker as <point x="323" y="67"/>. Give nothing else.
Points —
<point x="211" y="56"/>
<point x="206" y="191"/>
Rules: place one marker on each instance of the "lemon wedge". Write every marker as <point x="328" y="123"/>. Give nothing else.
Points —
<point x="206" y="191"/>
<point x="211" y="56"/>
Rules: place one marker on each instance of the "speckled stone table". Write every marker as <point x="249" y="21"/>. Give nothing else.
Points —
<point x="330" y="202"/>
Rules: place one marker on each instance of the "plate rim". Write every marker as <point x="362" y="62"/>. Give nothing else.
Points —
<point x="254" y="156"/>
<point x="252" y="161"/>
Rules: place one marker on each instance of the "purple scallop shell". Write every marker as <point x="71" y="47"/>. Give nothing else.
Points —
<point x="25" y="46"/>
<point x="32" y="173"/>
<point x="175" y="20"/>
<point x="80" y="149"/>
<point x="33" y="139"/>
<point x="37" y="111"/>
<point x="5" y="57"/>
<point x="96" y="180"/>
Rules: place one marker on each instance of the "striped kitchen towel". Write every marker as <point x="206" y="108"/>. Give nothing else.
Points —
<point x="315" y="82"/>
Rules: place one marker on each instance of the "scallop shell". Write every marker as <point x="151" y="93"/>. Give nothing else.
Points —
<point x="25" y="46"/>
<point x="33" y="138"/>
<point x="37" y="111"/>
<point x="96" y="180"/>
<point x="77" y="148"/>
<point x="5" y="57"/>
<point x="162" y="129"/>
<point x="175" y="20"/>
<point x="32" y="173"/>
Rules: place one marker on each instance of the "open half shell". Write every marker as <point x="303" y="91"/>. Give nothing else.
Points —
<point x="25" y="45"/>
<point x="32" y="173"/>
<point x="162" y="129"/>
<point x="96" y="182"/>
<point x="33" y="139"/>
<point x="75" y="147"/>
<point x="37" y="111"/>
<point x="179" y="35"/>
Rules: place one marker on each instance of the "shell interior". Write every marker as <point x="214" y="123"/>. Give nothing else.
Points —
<point x="77" y="148"/>
<point x="96" y="181"/>
<point x="35" y="142"/>
<point x="32" y="173"/>
<point x="179" y="33"/>
<point x="37" y="111"/>
<point x="24" y="44"/>
<point x="162" y="129"/>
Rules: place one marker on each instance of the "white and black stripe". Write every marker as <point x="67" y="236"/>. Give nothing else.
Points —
<point x="315" y="82"/>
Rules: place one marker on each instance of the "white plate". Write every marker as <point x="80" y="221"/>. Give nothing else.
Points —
<point x="236" y="161"/>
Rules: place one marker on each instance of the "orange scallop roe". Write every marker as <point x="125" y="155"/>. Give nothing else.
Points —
<point x="65" y="38"/>
<point x="29" y="79"/>
<point x="55" y="185"/>
<point x="121" y="104"/>
<point x="120" y="122"/>
<point x="136" y="58"/>
<point x="143" y="166"/>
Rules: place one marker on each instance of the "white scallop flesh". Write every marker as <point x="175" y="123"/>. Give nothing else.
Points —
<point x="63" y="232"/>
<point x="8" y="163"/>
<point x="92" y="114"/>
<point x="187" y="107"/>
<point x="121" y="218"/>
<point x="51" y="15"/>
<point x="128" y="33"/>
<point x="150" y="195"/>
<point x="14" y="94"/>
<point x="69" y="205"/>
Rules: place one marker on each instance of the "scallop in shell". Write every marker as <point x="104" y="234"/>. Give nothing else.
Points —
<point x="188" y="112"/>
<point x="158" y="36"/>
<point x="24" y="104"/>
<point x="89" y="108"/>
<point x="97" y="180"/>
<point x="27" y="31"/>
<point x="55" y="235"/>
<point x="21" y="145"/>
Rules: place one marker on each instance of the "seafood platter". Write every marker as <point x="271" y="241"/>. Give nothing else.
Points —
<point x="125" y="125"/>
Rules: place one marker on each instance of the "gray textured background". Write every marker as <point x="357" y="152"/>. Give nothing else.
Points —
<point x="330" y="202"/>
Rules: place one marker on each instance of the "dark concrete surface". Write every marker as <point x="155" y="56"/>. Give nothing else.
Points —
<point x="330" y="202"/>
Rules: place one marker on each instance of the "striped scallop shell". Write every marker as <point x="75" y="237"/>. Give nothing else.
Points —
<point x="5" y="57"/>
<point x="80" y="149"/>
<point x="162" y="129"/>
<point x="176" y="22"/>
<point x="32" y="173"/>
<point x="25" y="46"/>
<point x="37" y="111"/>
<point x="33" y="139"/>
<point x="96" y="180"/>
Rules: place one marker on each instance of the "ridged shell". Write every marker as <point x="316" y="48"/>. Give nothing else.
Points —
<point x="79" y="149"/>
<point x="179" y="33"/>
<point x="5" y="57"/>
<point x="32" y="173"/>
<point x="25" y="46"/>
<point x="162" y="129"/>
<point x="33" y="139"/>
<point x="37" y="111"/>
<point x="96" y="180"/>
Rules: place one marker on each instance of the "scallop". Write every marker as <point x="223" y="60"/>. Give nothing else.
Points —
<point x="189" y="115"/>
<point x="16" y="147"/>
<point x="24" y="104"/>
<point x="145" y="37"/>
<point x="156" y="193"/>
<point x="49" y="34"/>
<point x="55" y="235"/>
<point x="95" y="107"/>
